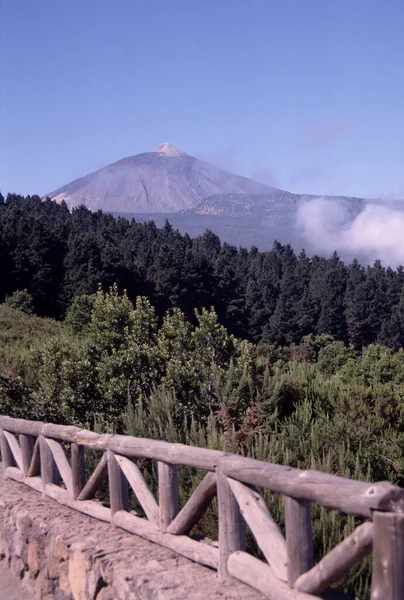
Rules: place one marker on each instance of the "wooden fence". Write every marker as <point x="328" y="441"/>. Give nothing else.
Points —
<point x="38" y="459"/>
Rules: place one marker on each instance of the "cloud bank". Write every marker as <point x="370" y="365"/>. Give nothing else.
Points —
<point x="377" y="232"/>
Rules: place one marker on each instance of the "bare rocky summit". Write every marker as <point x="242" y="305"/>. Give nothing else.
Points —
<point x="166" y="180"/>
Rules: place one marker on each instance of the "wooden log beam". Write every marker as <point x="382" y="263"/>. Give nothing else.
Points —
<point x="62" y="463"/>
<point x="388" y="556"/>
<point x="168" y="493"/>
<point x="299" y="537"/>
<point x="140" y="487"/>
<point x="258" y="575"/>
<point x="67" y="433"/>
<point x="27" y="451"/>
<point x="97" y="477"/>
<point x="195" y="506"/>
<point x="349" y="496"/>
<point x="232" y="528"/>
<point x="33" y="482"/>
<point x="6" y="454"/>
<point x="175" y="454"/>
<point x="338" y="561"/>
<point x="78" y="469"/>
<point x="35" y="466"/>
<point x="267" y="533"/>
<point x="21" y="426"/>
<point x="199" y="552"/>
<point x="118" y="485"/>
<point x="15" y="449"/>
<point x="49" y="472"/>
<point x="87" y="507"/>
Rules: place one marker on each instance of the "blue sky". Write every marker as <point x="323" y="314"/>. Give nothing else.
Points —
<point x="307" y="95"/>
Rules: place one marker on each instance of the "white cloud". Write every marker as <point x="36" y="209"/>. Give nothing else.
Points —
<point x="377" y="232"/>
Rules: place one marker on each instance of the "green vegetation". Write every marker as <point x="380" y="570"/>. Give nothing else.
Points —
<point x="284" y="358"/>
<point x="316" y="404"/>
<point x="49" y="256"/>
<point x="22" y="337"/>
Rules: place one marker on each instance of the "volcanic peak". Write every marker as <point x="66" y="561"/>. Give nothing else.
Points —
<point x="168" y="150"/>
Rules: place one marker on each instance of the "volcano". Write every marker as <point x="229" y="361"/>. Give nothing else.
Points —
<point x="166" y="180"/>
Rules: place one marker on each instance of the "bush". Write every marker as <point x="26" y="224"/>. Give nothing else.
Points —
<point x="332" y="357"/>
<point x="15" y="399"/>
<point x="78" y="316"/>
<point x="21" y="300"/>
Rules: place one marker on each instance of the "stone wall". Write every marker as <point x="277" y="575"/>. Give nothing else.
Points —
<point x="60" y="554"/>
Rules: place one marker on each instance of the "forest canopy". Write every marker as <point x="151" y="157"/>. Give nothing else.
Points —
<point x="276" y="297"/>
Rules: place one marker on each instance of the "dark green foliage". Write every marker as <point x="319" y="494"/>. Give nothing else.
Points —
<point x="21" y="300"/>
<point x="78" y="316"/>
<point x="15" y="398"/>
<point x="274" y="297"/>
<point x="332" y="357"/>
<point x="33" y="237"/>
<point x="21" y="338"/>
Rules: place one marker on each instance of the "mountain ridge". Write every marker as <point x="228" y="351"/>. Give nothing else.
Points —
<point x="166" y="180"/>
<point x="266" y="206"/>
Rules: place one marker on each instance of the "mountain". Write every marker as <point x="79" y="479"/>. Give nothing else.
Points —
<point x="258" y="219"/>
<point x="279" y="205"/>
<point x="165" y="180"/>
<point x="274" y="205"/>
<point x="194" y="196"/>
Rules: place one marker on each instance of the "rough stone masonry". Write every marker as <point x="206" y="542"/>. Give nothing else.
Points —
<point x="59" y="554"/>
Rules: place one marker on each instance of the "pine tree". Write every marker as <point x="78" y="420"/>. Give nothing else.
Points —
<point x="327" y="285"/>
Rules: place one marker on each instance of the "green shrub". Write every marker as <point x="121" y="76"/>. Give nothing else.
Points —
<point x="21" y="300"/>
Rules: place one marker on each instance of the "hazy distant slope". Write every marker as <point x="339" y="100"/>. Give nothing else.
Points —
<point x="278" y="205"/>
<point x="165" y="180"/>
<point x="274" y="205"/>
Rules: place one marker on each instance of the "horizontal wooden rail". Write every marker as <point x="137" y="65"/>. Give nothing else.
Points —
<point x="34" y="453"/>
<point x="175" y="454"/>
<point x="348" y="496"/>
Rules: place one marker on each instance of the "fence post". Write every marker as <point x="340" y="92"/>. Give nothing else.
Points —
<point x="388" y="556"/>
<point x="27" y="451"/>
<point x="49" y="472"/>
<point x="232" y="527"/>
<point x="6" y="454"/>
<point x="168" y="493"/>
<point x="78" y="469"/>
<point x="118" y="486"/>
<point x="299" y="537"/>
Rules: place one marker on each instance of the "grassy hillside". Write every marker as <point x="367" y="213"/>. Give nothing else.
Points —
<point x="20" y="335"/>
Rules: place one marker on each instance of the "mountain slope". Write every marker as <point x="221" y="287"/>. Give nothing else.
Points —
<point x="277" y="205"/>
<point x="242" y="205"/>
<point x="165" y="180"/>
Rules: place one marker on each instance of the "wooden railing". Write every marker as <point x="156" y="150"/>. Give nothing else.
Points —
<point x="38" y="459"/>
